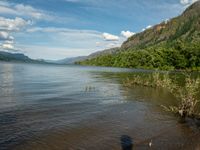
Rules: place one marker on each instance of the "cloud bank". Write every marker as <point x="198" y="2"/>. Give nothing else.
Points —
<point x="110" y="37"/>
<point x="9" y="26"/>
<point x="22" y="10"/>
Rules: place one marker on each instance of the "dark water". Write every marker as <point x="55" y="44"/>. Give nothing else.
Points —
<point x="49" y="107"/>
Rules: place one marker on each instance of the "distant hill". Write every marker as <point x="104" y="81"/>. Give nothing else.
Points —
<point x="172" y="44"/>
<point x="104" y="52"/>
<point x="17" y="57"/>
<point x="71" y="60"/>
<point x="5" y="56"/>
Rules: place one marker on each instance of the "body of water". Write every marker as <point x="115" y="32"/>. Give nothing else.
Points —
<point x="52" y="107"/>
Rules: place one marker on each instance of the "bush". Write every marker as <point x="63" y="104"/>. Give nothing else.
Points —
<point x="187" y="94"/>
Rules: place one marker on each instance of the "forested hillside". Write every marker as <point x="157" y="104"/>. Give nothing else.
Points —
<point x="172" y="44"/>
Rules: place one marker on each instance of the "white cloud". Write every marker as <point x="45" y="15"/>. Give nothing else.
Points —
<point x="63" y="42"/>
<point x="110" y="37"/>
<point x="7" y="10"/>
<point x="60" y="30"/>
<point x="7" y="27"/>
<point x="187" y="2"/>
<point x="127" y="34"/>
<point x="184" y="2"/>
<point x="9" y="42"/>
<point x="7" y="46"/>
<point x="16" y="24"/>
<point x="30" y="11"/>
<point x="66" y="34"/>
<point x="53" y="53"/>
<point x="23" y="10"/>
<point x="5" y="36"/>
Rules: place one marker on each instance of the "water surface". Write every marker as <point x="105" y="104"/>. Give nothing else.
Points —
<point x="84" y="108"/>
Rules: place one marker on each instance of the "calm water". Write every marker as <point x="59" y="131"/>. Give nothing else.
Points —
<point x="84" y="108"/>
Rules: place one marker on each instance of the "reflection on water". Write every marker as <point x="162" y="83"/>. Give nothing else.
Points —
<point x="71" y="107"/>
<point x="6" y="84"/>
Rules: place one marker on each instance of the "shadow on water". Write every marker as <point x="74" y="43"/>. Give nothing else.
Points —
<point x="126" y="142"/>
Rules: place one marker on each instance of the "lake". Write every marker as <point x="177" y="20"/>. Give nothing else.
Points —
<point x="60" y="107"/>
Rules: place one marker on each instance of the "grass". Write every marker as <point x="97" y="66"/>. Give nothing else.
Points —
<point x="186" y="94"/>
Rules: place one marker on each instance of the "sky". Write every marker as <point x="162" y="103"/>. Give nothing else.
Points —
<point x="57" y="29"/>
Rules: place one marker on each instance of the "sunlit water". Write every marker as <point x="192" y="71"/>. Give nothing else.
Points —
<point x="50" y="107"/>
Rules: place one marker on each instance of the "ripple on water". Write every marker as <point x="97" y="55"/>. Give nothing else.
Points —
<point x="48" y="107"/>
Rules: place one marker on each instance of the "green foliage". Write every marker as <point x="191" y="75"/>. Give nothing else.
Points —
<point x="187" y="94"/>
<point x="176" y="55"/>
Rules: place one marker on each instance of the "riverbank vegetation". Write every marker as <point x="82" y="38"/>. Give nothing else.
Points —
<point x="178" y="55"/>
<point x="187" y="93"/>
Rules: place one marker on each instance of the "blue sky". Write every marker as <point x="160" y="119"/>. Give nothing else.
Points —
<point x="56" y="29"/>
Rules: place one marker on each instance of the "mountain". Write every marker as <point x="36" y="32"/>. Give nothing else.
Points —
<point x="17" y="57"/>
<point x="70" y="60"/>
<point x="5" y="56"/>
<point x="104" y="52"/>
<point x="73" y="60"/>
<point x="185" y="27"/>
<point x="171" y="44"/>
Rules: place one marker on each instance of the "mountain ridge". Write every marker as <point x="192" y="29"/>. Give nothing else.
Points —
<point x="169" y="30"/>
<point x="17" y="57"/>
<point x="73" y="60"/>
<point x="172" y="44"/>
<point x="6" y="56"/>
